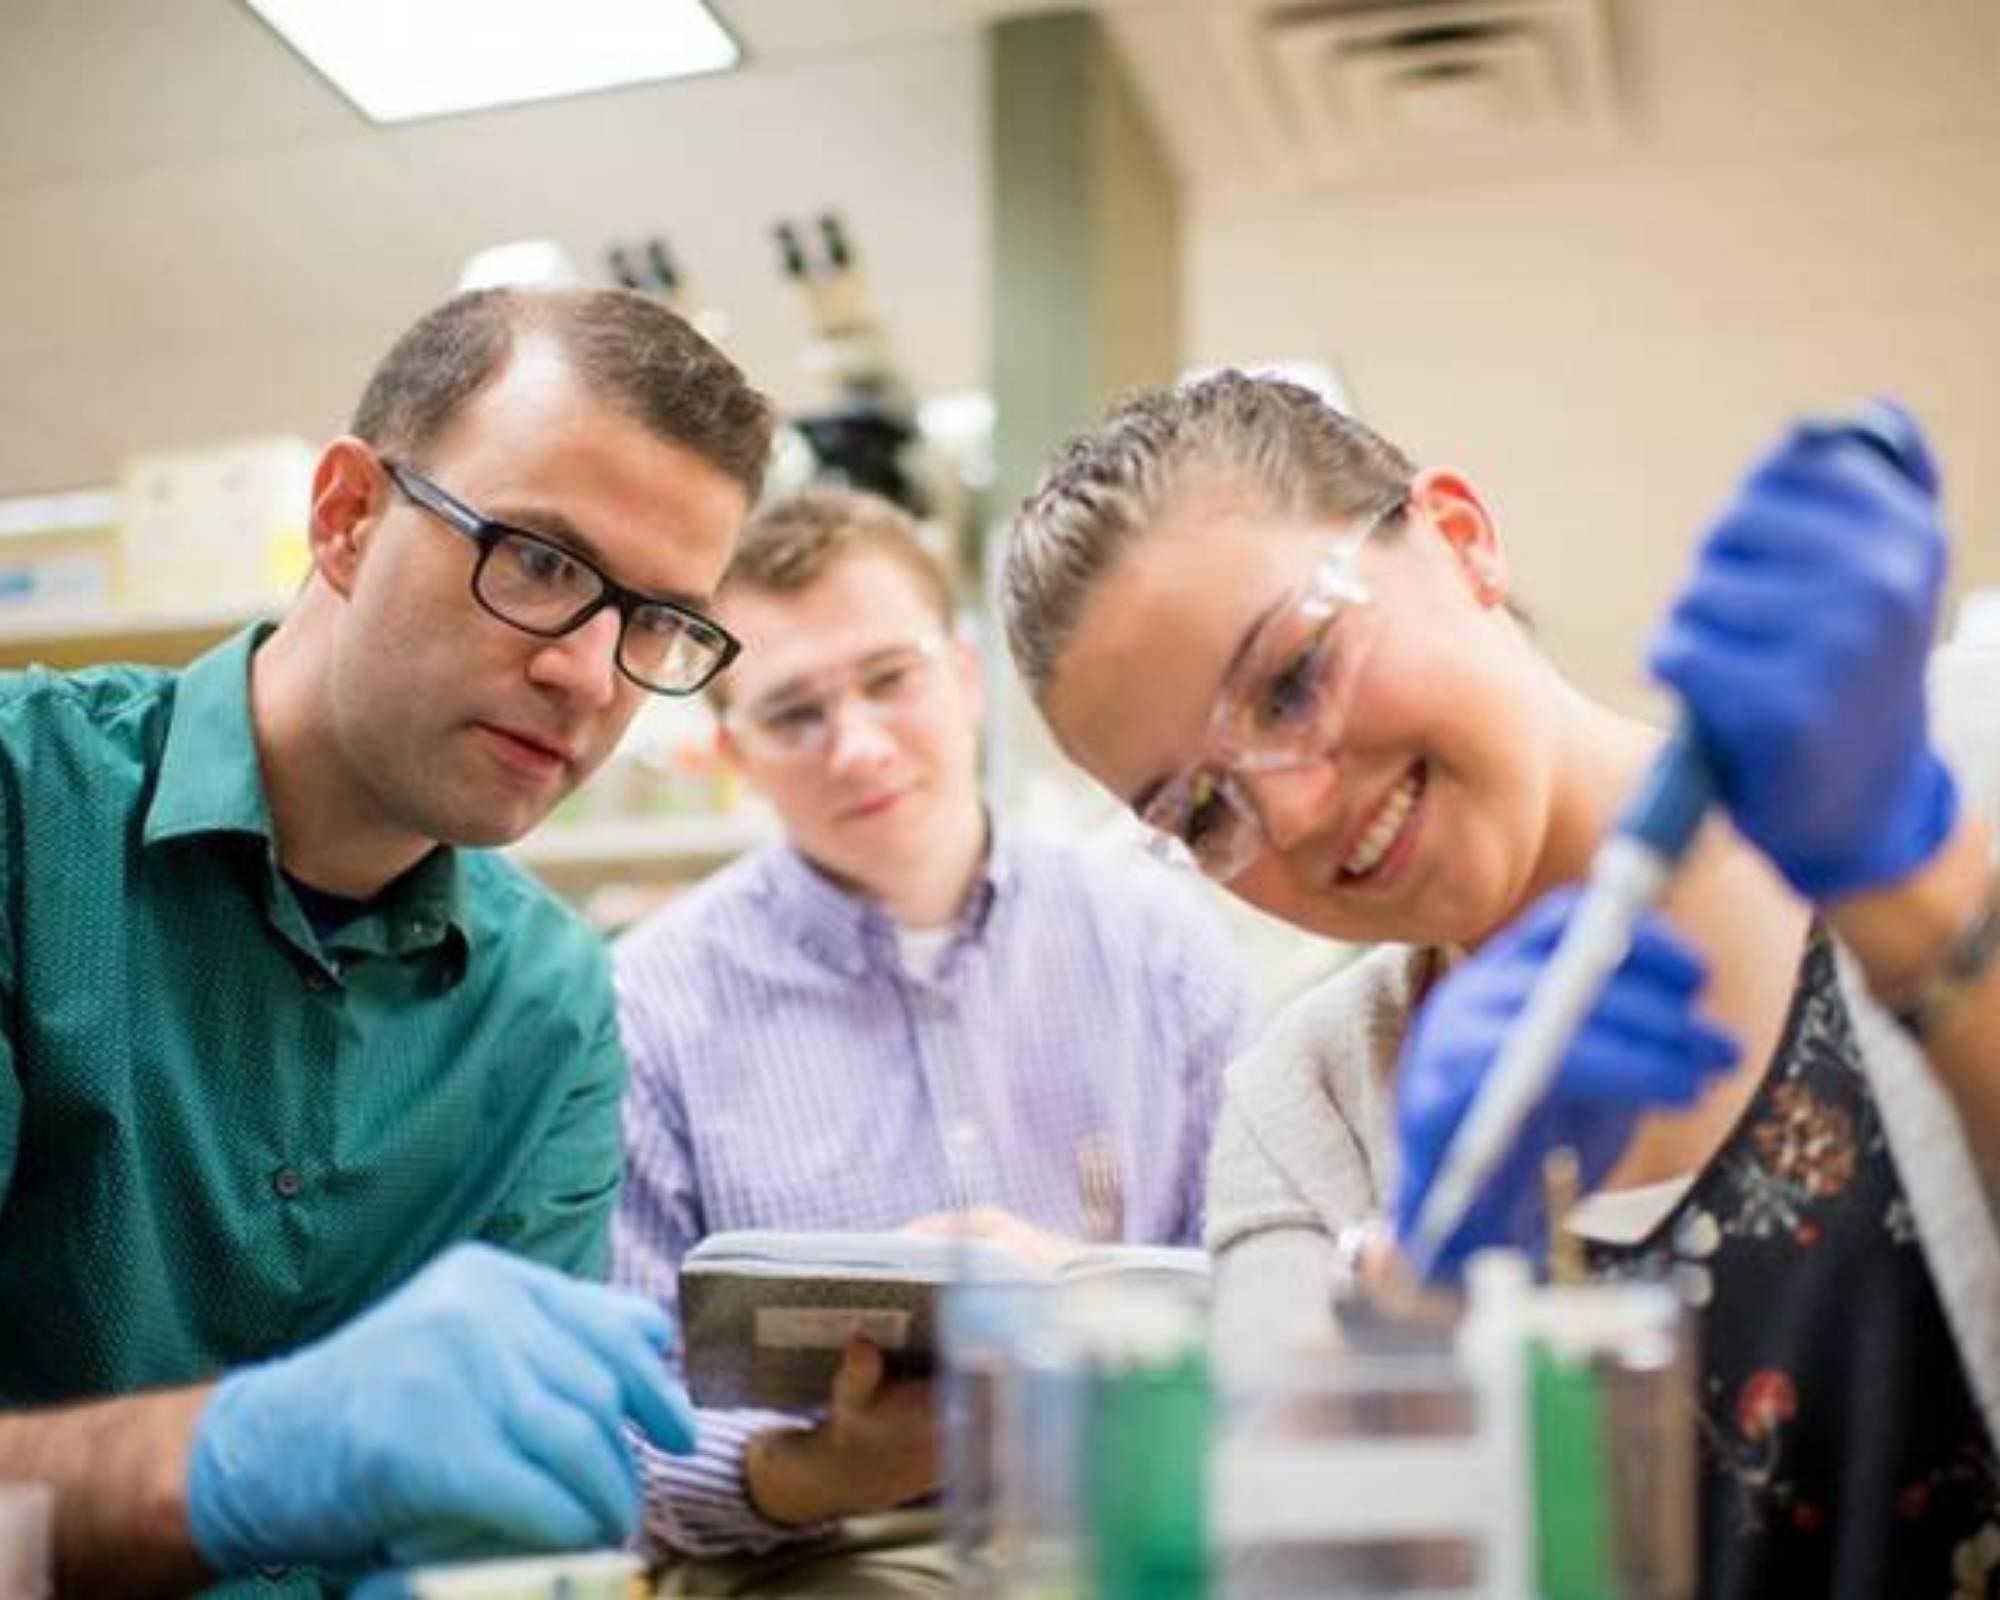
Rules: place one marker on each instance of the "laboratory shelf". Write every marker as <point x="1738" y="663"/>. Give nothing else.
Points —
<point x="68" y="639"/>
<point x="640" y="847"/>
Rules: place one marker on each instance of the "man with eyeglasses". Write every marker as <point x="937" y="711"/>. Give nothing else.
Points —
<point x="898" y="1012"/>
<point x="308" y="1103"/>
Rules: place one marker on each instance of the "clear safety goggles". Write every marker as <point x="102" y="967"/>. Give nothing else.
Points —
<point x="1282" y="708"/>
<point x="797" y="722"/>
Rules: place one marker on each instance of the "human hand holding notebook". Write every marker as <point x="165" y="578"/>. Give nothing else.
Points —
<point x="765" y="1315"/>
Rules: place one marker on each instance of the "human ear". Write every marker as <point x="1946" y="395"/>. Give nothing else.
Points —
<point x="348" y="498"/>
<point x="1452" y="506"/>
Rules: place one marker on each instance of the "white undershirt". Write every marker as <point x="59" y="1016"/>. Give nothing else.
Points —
<point x="922" y="949"/>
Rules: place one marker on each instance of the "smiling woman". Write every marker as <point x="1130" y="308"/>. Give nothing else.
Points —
<point x="1345" y="724"/>
<point x="1342" y="659"/>
<point x="1280" y="709"/>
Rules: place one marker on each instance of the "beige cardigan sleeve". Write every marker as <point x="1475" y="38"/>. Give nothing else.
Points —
<point x="1300" y="1153"/>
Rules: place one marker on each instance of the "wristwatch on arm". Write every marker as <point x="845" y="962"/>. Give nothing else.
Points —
<point x="1971" y="952"/>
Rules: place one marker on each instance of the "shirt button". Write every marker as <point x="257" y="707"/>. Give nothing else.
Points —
<point x="317" y="981"/>
<point x="286" y="1183"/>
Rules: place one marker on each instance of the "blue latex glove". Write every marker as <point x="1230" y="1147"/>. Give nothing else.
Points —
<point x="480" y="1408"/>
<point x="1640" y="1048"/>
<point x="1800" y="646"/>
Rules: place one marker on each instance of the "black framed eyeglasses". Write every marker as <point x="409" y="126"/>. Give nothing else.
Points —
<point x="548" y="589"/>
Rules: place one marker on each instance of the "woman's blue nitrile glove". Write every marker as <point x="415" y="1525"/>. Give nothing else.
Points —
<point x="1799" y="646"/>
<point x="480" y="1408"/>
<point x="1640" y="1047"/>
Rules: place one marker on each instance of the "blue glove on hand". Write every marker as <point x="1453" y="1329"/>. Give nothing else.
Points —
<point x="1640" y="1047"/>
<point x="480" y="1408"/>
<point x="1799" y="646"/>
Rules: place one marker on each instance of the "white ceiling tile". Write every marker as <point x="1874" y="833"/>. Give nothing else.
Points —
<point x="137" y="280"/>
<point x="227" y="249"/>
<point x="781" y="30"/>
<point x="94" y="88"/>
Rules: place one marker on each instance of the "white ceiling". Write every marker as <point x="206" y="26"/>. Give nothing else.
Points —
<point x="1800" y="203"/>
<point x="200" y="240"/>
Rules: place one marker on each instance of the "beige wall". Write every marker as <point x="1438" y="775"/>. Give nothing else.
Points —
<point x="1804" y="206"/>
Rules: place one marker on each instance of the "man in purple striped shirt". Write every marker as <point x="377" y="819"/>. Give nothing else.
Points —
<point x="896" y="1012"/>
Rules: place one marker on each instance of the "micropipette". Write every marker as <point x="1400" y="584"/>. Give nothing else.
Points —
<point x="1629" y="872"/>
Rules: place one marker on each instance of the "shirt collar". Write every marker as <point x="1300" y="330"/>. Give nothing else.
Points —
<point x="850" y="931"/>
<point x="210" y="782"/>
<point x="996" y="879"/>
<point x="422" y="910"/>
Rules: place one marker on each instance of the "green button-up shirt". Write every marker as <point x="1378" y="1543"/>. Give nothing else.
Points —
<point x="219" y="1135"/>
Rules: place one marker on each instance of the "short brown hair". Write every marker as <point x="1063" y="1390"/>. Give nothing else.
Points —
<point x="625" y="347"/>
<point x="790" y="544"/>
<point x="1279" y="444"/>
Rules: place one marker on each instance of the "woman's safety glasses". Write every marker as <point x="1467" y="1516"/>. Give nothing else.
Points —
<point x="1282" y="708"/>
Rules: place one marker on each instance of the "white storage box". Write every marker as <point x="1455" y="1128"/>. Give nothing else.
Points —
<point x="210" y="529"/>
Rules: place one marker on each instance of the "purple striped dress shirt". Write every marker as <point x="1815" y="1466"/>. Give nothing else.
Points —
<point x="787" y="1072"/>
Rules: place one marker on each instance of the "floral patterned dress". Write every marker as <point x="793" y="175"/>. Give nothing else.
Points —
<point x="1842" y="1452"/>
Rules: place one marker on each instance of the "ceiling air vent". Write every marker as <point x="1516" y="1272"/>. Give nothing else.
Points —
<point x="1404" y="87"/>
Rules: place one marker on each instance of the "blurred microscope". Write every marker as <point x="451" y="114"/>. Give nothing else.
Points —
<point x="864" y="428"/>
<point x="866" y="436"/>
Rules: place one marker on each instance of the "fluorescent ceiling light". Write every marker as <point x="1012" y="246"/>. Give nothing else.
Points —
<point x="401" y="59"/>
